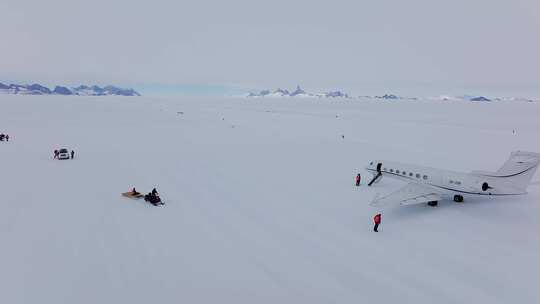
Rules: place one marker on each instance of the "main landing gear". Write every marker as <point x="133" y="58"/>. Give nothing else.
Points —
<point x="458" y="198"/>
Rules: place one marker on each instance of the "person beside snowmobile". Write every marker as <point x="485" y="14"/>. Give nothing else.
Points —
<point x="148" y="196"/>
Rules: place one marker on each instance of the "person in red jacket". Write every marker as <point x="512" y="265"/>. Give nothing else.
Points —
<point x="377" y="220"/>
<point x="358" y="180"/>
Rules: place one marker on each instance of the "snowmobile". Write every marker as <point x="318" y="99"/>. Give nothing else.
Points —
<point x="153" y="199"/>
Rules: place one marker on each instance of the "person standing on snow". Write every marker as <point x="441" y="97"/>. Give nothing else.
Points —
<point x="72" y="154"/>
<point x="358" y="180"/>
<point x="55" y="154"/>
<point x="154" y="192"/>
<point x="377" y="220"/>
<point x="7" y="137"/>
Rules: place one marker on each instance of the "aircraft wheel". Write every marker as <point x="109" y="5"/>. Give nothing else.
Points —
<point x="458" y="198"/>
<point x="433" y="203"/>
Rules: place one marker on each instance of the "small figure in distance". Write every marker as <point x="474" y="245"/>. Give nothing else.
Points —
<point x="55" y="154"/>
<point x="134" y="192"/>
<point x="377" y="220"/>
<point x="7" y="137"/>
<point x="72" y="154"/>
<point x="358" y="180"/>
<point x="154" y="192"/>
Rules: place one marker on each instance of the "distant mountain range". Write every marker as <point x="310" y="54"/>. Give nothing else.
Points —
<point x="441" y="98"/>
<point x="299" y="92"/>
<point x="82" y="90"/>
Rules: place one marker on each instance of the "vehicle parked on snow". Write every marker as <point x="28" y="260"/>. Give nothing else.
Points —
<point x="63" y="154"/>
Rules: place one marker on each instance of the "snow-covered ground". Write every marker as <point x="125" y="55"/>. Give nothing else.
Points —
<point x="260" y="202"/>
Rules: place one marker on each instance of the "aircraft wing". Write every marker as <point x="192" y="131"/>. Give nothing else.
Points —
<point x="410" y="194"/>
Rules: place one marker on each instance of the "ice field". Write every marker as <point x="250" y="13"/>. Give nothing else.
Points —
<point x="260" y="200"/>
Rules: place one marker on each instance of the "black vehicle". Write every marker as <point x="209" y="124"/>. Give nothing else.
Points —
<point x="153" y="199"/>
<point x="63" y="154"/>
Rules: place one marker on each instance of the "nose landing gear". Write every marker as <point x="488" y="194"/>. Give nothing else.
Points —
<point x="378" y="176"/>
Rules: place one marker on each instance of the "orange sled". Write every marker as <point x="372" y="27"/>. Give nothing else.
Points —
<point x="133" y="196"/>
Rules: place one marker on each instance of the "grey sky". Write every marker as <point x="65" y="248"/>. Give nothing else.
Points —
<point x="254" y="44"/>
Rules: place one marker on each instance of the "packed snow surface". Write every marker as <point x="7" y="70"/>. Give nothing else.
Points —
<point x="261" y="205"/>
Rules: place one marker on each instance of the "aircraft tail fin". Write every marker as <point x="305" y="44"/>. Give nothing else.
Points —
<point x="518" y="170"/>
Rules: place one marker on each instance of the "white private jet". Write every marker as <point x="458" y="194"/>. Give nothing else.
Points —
<point x="429" y="185"/>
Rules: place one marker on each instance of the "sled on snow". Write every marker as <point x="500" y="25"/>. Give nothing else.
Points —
<point x="132" y="195"/>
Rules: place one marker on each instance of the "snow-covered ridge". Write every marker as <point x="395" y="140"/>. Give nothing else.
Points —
<point x="82" y="90"/>
<point x="472" y="98"/>
<point x="298" y="92"/>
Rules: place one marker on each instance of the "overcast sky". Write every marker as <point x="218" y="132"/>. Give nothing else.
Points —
<point x="355" y="45"/>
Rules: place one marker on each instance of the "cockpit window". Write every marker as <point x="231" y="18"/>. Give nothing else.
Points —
<point x="417" y="175"/>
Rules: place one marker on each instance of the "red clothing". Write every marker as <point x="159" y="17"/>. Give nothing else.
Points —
<point x="358" y="178"/>
<point x="377" y="219"/>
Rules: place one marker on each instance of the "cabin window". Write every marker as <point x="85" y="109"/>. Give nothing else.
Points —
<point x="457" y="182"/>
<point x="392" y="170"/>
<point x="417" y="175"/>
<point x="425" y="176"/>
<point x="451" y="181"/>
<point x="397" y="171"/>
<point x="384" y="169"/>
<point x="404" y="173"/>
<point x="411" y="174"/>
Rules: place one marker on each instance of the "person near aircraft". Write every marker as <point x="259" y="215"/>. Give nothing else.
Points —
<point x="358" y="180"/>
<point x="377" y="221"/>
